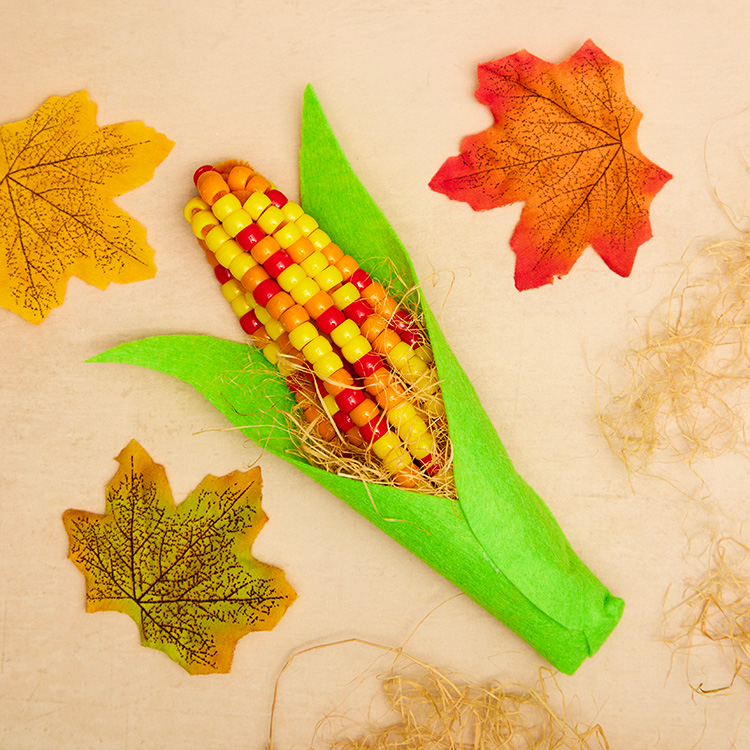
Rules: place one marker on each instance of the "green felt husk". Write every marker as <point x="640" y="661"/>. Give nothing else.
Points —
<point x="499" y="544"/>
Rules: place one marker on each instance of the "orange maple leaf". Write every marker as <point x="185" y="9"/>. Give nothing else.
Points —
<point x="563" y="142"/>
<point x="183" y="573"/>
<point x="58" y="174"/>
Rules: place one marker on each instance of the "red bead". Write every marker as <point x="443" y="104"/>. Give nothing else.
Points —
<point x="343" y="421"/>
<point x="277" y="198"/>
<point x="198" y="172"/>
<point x="374" y="429"/>
<point x="400" y="321"/>
<point x="330" y="319"/>
<point x="361" y="279"/>
<point x="222" y="274"/>
<point x="428" y="464"/>
<point x="412" y="337"/>
<point x="349" y="398"/>
<point x="367" y="364"/>
<point x="251" y="235"/>
<point x="278" y="262"/>
<point x="265" y="291"/>
<point x="250" y="323"/>
<point x="359" y="311"/>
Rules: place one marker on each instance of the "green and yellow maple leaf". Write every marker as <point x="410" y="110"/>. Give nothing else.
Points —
<point x="58" y="175"/>
<point x="184" y="573"/>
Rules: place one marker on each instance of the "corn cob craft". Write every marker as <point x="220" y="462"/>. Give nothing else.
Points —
<point x="358" y="364"/>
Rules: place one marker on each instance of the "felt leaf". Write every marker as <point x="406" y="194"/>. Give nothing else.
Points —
<point x="564" y="142"/>
<point x="58" y="175"/>
<point x="184" y="573"/>
<point x="499" y="543"/>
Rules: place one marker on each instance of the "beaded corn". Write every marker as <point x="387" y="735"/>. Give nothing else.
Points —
<point x="334" y="333"/>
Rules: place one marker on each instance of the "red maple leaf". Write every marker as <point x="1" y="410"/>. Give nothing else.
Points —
<point x="563" y="142"/>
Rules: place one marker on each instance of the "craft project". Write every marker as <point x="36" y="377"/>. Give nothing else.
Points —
<point x="563" y="143"/>
<point x="184" y="573"/>
<point x="498" y="541"/>
<point x="58" y="175"/>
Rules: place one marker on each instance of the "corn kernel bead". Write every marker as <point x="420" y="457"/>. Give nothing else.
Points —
<point x="347" y="265"/>
<point x="292" y="211"/>
<point x="265" y="290"/>
<point x="274" y="329"/>
<point x="385" y="445"/>
<point x="257" y="182"/>
<point x="343" y="421"/>
<point x="250" y="236"/>
<point x="396" y="462"/>
<point x="349" y="399"/>
<point x="326" y="367"/>
<point x="202" y="223"/>
<point x="412" y="338"/>
<point x="361" y="280"/>
<point x="238" y="177"/>
<point x="402" y="414"/>
<point x="412" y="430"/>
<point x="344" y="333"/>
<point x="329" y="320"/>
<point x="216" y="237"/>
<point x="198" y="172"/>
<point x="232" y="289"/>
<point x="250" y="323"/>
<point x="256" y="204"/>
<point x="300" y="250"/>
<point x="193" y="206"/>
<point x="387" y="307"/>
<point x="212" y="186"/>
<point x="355" y="349"/>
<point x="386" y="342"/>
<point x="240" y="306"/>
<point x="329" y="278"/>
<point x="314" y="264"/>
<point x="294" y="317"/>
<point x="318" y="304"/>
<point x="303" y="334"/>
<point x="374" y="293"/>
<point x="388" y="397"/>
<point x="279" y="304"/>
<point x="339" y="380"/>
<point x="364" y="412"/>
<point x="422" y="447"/>
<point x="290" y="277"/>
<point x="303" y="292"/>
<point x="261" y="312"/>
<point x="261" y="338"/>
<point x="210" y="257"/>
<point x="373" y="327"/>
<point x="333" y="253"/>
<point x="253" y="277"/>
<point x="276" y="197"/>
<point x="329" y="405"/>
<point x="374" y="430"/>
<point x="287" y="235"/>
<point x="226" y="206"/>
<point x="319" y="239"/>
<point x="222" y="274"/>
<point x="271" y="219"/>
<point x="271" y="352"/>
<point x="400" y="355"/>
<point x="358" y="311"/>
<point x="240" y="265"/>
<point x="367" y="364"/>
<point x="264" y="249"/>
<point x="277" y="263"/>
<point x="306" y="224"/>
<point x="236" y="222"/>
<point x="345" y="295"/>
<point x="316" y="349"/>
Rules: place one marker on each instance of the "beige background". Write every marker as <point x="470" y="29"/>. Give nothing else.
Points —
<point x="396" y="79"/>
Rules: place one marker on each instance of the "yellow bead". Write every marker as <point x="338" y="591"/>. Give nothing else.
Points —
<point x="399" y="355"/>
<point x="384" y="445"/>
<point x="228" y="252"/>
<point x="232" y="289"/>
<point x="274" y="329"/>
<point x="329" y="278"/>
<point x="256" y="204"/>
<point x="203" y="222"/>
<point x="422" y="446"/>
<point x="356" y="348"/>
<point x="401" y="413"/>
<point x="287" y="235"/>
<point x="415" y="367"/>
<point x="216" y="238"/>
<point x="193" y="206"/>
<point x="396" y="461"/>
<point x="271" y="352"/>
<point x="319" y="238"/>
<point x="270" y="220"/>
<point x="317" y="348"/>
<point x="240" y="306"/>
<point x="410" y="430"/>
<point x="329" y="402"/>
<point x="261" y="312"/>
<point x="236" y="222"/>
<point x="241" y="264"/>
<point x="327" y="365"/>
<point x="424" y="353"/>
<point x="307" y="224"/>
<point x="290" y="277"/>
<point x="314" y="264"/>
<point x="303" y="335"/>
<point x="304" y="291"/>
<point x="225" y="206"/>
<point x="345" y="295"/>
<point x="292" y="211"/>
<point x="344" y="333"/>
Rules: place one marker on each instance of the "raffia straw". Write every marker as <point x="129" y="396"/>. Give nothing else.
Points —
<point x="435" y="712"/>
<point x="714" y="615"/>
<point x="686" y="397"/>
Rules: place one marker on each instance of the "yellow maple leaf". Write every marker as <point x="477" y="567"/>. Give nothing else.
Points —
<point x="58" y="174"/>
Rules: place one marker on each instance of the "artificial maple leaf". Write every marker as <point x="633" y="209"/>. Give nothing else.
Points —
<point x="183" y="573"/>
<point x="564" y="142"/>
<point x="58" y="175"/>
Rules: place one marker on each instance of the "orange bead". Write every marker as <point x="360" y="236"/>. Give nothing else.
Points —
<point x="318" y="304"/>
<point x="279" y="304"/>
<point x="238" y="177"/>
<point x="263" y="250"/>
<point x="408" y="477"/>
<point x="294" y="316"/>
<point x="387" y="307"/>
<point x="374" y="293"/>
<point x="257" y="182"/>
<point x="212" y="186"/>
<point x="261" y="338"/>
<point x="300" y="249"/>
<point x="211" y="258"/>
<point x="373" y="327"/>
<point x="364" y="413"/>
<point x="353" y="436"/>
<point x="387" y="391"/>
<point x="339" y="381"/>
<point x="253" y="277"/>
<point x="388" y="397"/>
<point x="386" y="341"/>
<point x="333" y="253"/>
<point x="347" y="265"/>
